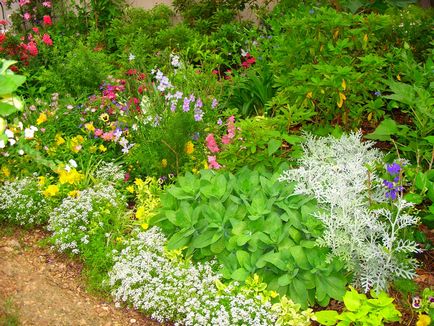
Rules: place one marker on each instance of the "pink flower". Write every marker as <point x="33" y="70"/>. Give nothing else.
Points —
<point x="27" y="16"/>
<point x="211" y="144"/>
<point x="33" y="50"/>
<point x="107" y="136"/>
<point x="47" y="4"/>
<point x="47" y="20"/>
<point x="47" y="39"/>
<point x="23" y="2"/>
<point x="213" y="164"/>
<point x="36" y="30"/>
<point x="98" y="132"/>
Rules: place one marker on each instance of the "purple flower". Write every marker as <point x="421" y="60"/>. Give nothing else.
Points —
<point x="388" y="184"/>
<point x="377" y="93"/>
<point x="173" y="106"/>
<point x="431" y="299"/>
<point x="219" y="122"/>
<point x="198" y="114"/>
<point x="393" y="169"/>
<point x="196" y="136"/>
<point x="391" y="194"/>
<point x="186" y="105"/>
<point x="214" y="103"/>
<point x="199" y="103"/>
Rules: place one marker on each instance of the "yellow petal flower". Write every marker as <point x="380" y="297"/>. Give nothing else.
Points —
<point x="424" y="320"/>
<point x="163" y="163"/>
<point x="51" y="191"/>
<point x="102" y="148"/>
<point x="189" y="148"/>
<point x="59" y="139"/>
<point x="42" y="118"/>
<point x="6" y="172"/>
<point x="145" y="226"/>
<point x="344" y="84"/>
<point x="130" y="189"/>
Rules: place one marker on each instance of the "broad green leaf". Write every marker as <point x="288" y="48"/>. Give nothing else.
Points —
<point x="179" y="193"/>
<point x="285" y="279"/>
<point x="413" y="198"/>
<point x="204" y="239"/>
<point x="10" y="83"/>
<point x="240" y="275"/>
<point x="352" y="300"/>
<point x="421" y="181"/>
<point x="385" y="129"/>
<point x="273" y="146"/>
<point x="243" y="259"/>
<point x="218" y="246"/>
<point x="300" y="258"/>
<point x="180" y="239"/>
<point x="242" y="239"/>
<point x="327" y="317"/>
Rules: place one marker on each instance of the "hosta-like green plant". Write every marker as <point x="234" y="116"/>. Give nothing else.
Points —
<point x="252" y="224"/>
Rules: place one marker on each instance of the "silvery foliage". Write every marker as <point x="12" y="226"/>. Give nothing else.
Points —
<point x="22" y="203"/>
<point x="176" y="290"/>
<point x="336" y="172"/>
<point x="75" y="220"/>
<point x="110" y="172"/>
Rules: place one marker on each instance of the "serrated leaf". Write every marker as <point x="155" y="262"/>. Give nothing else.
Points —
<point x="384" y="130"/>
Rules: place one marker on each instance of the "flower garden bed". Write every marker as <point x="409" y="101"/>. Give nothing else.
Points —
<point x="217" y="172"/>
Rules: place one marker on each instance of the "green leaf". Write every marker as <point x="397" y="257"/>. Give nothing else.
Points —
<point x="300" y="258"/>
<point x="421" y="181"/>
<point x="385" y="129"/>
<point x="10" y="83"/>
<point x="218" y="246"/>
<point x="273" y="146"/>
<point x="413" y="198"/>
<point x="240" y="275"/>
<point x="205" y="239"/>
<point x="352" y="300"/>
<point x="327" y="317"/>
<point x="7" y="109"/>
<point x="285" y="279"/>
<point x="243" y="258"/>
<point x="430" y="139"/>
<point x="180" y="239"/>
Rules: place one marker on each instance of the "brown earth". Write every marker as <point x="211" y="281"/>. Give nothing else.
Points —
<point x="46" y="289"/>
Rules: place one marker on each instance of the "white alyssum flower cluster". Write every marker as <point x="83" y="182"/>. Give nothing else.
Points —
<point x="337" y="173"/>
<point x="110" y="172"/>
<point x="170" y="289"/>
<point x="22" y="203"/>
<point x="76" y="220"/>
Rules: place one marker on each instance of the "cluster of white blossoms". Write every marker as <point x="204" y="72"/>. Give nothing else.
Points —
<point x="22" y="203"/>
<point x="110" y="172"/>
<point x="340" y="174"/>
<point x="172" y="289"/>
<point x="75" y="220"/>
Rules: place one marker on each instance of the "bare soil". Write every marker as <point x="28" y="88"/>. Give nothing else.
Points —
<point x="47" y="289"/>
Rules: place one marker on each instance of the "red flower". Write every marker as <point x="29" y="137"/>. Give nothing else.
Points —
<point x="47" y="39"/>
<point x="36" y="30"/>
<point x="33" y="50"/>
<point x="47" y="20"/>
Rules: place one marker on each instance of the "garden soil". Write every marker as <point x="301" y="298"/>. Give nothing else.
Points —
<point x="46" y="288"/>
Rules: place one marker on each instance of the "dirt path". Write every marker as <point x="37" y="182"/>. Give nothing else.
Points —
<point x="45" y="289"/>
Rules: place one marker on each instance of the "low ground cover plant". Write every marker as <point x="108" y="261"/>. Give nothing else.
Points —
<point x="207" y="171"/>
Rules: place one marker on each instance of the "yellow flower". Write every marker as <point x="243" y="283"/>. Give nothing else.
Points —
<point x="74" y="193"/>
<point x="163" y="163"/>
<point x="89" y="126"/>
<point x="189" y="148"/>
<point x="92" y="149"/>
<point x="51" y="191"/>
<point x="72" y="176"/>
<point x="102" y="148"/>
<point x="141" y="212"/>
<point x="42" y="180"/>
<point x="59" y="139"/>
<point x="139" y="182"/>
<point x="273" y="294"/>
<point x="424" y="320"/>
<point x="104" y="117"/>
<point x="42" y="118"/>
<point x="205" y="165"/>
<point x="76" y="143"/>
<point x="6" y="172"/>
<point x="145" y="226"/>
<point x="130" y="189"/>
<point x="344" y="84"/>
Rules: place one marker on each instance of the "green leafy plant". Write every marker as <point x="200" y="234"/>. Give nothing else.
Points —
<point x="252" y="224"/>
<point x="9" y="83"/>
<point x="359" y="310"/>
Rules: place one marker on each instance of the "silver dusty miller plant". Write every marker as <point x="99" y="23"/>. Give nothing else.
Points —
<point x="339" y="173"/>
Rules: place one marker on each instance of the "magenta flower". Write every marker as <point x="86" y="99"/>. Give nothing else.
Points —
<point x="212" y="144"/>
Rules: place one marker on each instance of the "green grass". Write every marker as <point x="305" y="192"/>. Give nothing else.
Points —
<point x="9" y="313"/>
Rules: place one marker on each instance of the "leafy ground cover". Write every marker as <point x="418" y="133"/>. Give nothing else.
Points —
<point x="217" y="171"/>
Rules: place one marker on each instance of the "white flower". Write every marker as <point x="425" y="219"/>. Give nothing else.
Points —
<point x="72" y="163"/>
<point x="29" y="133"/>
<point x="9" y="133"/>
<point x="2" y="143"/>
<point x="21" y="152"/>
<point x="131" y="57"/>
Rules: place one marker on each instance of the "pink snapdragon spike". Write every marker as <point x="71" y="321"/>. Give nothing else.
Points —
<point x="213" y="164"/>
<point x="212" y="144"/>
<point x="226" y="139"/>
